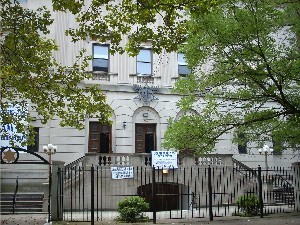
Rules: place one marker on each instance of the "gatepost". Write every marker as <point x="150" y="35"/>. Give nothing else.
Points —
<point x="296" y="184"/>
<point x="56" y="212"/>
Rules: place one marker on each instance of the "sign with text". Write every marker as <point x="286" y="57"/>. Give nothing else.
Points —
<point x="122" y="172"/>
<point x="164" y="159"/>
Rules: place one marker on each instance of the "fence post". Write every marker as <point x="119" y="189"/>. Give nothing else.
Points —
<point x="56" y="213"/>
<point x="92" y="196"/>
<point x="261" y="203"/>
<point x="296" y="184"/>
<point x="211" y="218"/>
<point x="153" y="195"/>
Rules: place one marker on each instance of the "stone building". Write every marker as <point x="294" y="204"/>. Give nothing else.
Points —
<point x="138" y="89"/>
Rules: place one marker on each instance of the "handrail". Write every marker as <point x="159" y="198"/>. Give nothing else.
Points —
<point x="245" y="167"/>
<point x="283" y="179"/>
<point x="15" y="194"/>
<point x="74" y="163"/>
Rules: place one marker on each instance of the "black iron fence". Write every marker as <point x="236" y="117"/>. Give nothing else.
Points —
<point x="91" y="193"/>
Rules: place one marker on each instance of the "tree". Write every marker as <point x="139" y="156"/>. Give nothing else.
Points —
<point x="31" y="79"/>
<point x="250" y="84"/>
<point x="30" y="76"/>
<point x="163" y="22"/>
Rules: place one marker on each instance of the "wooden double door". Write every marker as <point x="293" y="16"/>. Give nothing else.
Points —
<point x="99" y="138"/>
<point x="145" y="138"/>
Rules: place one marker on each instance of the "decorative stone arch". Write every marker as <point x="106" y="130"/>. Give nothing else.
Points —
<point x="189" y="112"/>
<point x="146" y="116"/>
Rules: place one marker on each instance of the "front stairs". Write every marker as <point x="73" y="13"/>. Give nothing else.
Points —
<point x="24" y="203"/>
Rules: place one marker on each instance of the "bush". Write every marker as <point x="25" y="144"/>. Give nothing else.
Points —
<point x="131" y="209"/>
<point x="249" y="204"/>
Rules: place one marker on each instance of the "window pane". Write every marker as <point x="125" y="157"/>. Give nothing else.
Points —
<point x="181" y="59"/>
<point x="183" y="70"/>
<point x="100" y="52"/>
<point x="100" y="65"/>
<point x="144" y="68"/>
<point x="144" y="55"/>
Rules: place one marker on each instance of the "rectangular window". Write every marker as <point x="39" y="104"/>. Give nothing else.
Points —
<point x="242" y="145"/>
<point x="183" y="69"/>
<point x="277" y="147"/>
<point x="100" y="57"/>
<point x="144" y="61"/>
<point x="35" y="146"/>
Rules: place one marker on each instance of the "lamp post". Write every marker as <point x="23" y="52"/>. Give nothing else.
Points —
<point x="49" y="150"/>
<point x="266" y="150"/>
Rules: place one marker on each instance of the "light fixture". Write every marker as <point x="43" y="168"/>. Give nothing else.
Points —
<point x="145" y="114"/>
<point x="165" y="171"/>
<point x="124" y="124"/>
<point x="49" y="149"/>
<point x="266" y="150"/>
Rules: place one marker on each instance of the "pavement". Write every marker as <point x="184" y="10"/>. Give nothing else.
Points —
<point x="272" y="219"/>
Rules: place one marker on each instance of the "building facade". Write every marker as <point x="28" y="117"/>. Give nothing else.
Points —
<point x="138" y="89"/>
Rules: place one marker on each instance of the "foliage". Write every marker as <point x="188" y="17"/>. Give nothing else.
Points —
<point x="187" y="132"/>
<point x="245" y="61"/>
<point x="131" y="209"/>
<point x="249" y="204"/>
<point x="161" y="22"/>
<point x="32" y="80"/>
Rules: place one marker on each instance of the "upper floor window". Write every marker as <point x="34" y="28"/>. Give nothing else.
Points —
<point x="242" y="145"/>
<point x="183" y="69"/>
<point x="100" y="57"/>
<point x="144" y="61"/>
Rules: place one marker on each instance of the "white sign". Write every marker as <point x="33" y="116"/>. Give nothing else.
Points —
<point x="122" y="172"/>
<point x="164" y="159"/>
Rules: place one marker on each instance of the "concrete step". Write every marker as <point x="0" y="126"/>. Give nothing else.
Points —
<point x="24" y="202"/>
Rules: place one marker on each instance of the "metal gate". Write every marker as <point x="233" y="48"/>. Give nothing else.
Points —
<point x="23" y="178"/>
<point x="90" y="194"/>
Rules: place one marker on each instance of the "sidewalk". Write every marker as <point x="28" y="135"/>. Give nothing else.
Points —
<point x="273" y="219"/>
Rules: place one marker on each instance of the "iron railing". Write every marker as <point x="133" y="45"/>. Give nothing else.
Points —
<point x="90" y="193"/>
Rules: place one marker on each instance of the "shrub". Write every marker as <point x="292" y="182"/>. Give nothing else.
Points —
<point x="131" y="209"/>
<point x="249" y="204"/>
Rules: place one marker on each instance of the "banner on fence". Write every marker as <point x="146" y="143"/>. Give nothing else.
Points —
<point x="164" y="159"/>
<point x="122" y="172"/>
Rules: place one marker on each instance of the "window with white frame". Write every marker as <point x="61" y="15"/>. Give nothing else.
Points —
<point x="144" y="61"/>
<point x="100" y="57"/>
<point x="183" y="69"/>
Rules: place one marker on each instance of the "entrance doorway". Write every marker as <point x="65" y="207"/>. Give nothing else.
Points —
<point x="99" y="138"/>
<point x="145" y="138"/>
